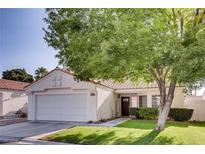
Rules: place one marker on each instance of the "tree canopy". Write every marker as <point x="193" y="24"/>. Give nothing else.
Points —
<point x="17" y="75"/>
<point x="40" y="72"/>
<point x="135" y="44"/>
<point x="114" y="43"/>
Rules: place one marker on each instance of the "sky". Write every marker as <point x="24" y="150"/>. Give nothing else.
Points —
<point x="22" y="44"/>
<point x="21" y="41"/>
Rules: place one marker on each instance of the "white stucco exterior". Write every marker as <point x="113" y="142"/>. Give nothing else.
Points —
<point x="59" y="84"/>
<point x="94" y="101"/>
<point x="178" y="101"/>
<point x="198" y="105"/>
<point x="106" y="103"/>
<point x="12" y="101"/>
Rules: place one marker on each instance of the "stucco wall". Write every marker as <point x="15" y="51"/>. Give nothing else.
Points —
<point x="58" y="79"/>
<point x="13" y="101"/>
<point x="61" y="83"/>
<point x="106" y="103"/>
<point x="1" y="104"/>
<point x="178" y="100"/>
<point x="196" y="103"/>
<point x="102" y="102"/>
<point x="179" y="97"/>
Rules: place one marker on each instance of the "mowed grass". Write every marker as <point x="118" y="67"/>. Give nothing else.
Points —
<point x="133" y="132"/>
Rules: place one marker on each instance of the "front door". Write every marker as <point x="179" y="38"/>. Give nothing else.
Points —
<point x="125" y="106"/>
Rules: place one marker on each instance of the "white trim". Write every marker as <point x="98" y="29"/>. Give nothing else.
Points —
<point x="35" y="96"/>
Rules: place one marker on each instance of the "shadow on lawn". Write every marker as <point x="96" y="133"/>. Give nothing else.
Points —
<point x="112" y="138"/>
<point x="78" y="138"/>
<point x="148" y="138"/>
<point x="148" y="124"/>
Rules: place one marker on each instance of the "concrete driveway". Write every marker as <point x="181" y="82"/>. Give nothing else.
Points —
<point x="15" y="132"/>
<point x="30" y="132"/>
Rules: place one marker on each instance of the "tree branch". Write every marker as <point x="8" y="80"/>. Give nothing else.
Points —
<point x="181" y="27"/>
<point x="158" y="72"/>
<point x="166" y="71"/>
<point x="170" y="94"/>
<point x="195" y="19"/>
<point x="153" y="74"/>
<point x="174" y="15"/>
<point x="126" y="74"/>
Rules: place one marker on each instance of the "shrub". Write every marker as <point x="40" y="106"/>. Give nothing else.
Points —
<point x="21" y="114"/>
<point x="24" y="115"/>
<point x="148" y="113"/>
<point x="144" y="113"/>
<point x="180" y="114"/>
<point x="134" y="112"/>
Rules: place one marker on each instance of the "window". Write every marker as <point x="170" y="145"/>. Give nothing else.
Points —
<point x="125" y="99"/>
<point x="134" y="101"/>
<point x="155" y="101"/>
<point x="142" y="101"/>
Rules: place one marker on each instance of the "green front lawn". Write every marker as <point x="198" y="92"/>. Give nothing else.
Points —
<point x="133" y="132"/>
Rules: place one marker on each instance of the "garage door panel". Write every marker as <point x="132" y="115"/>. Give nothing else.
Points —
<point x="62" y="118"/>
<point x="47" y="105"/>
<point x="71" y="107"/>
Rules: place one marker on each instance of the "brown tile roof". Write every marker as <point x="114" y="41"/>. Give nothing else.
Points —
<point x="128" y="85"/>
<point x="12" y="85"/>
<point x="110" y="83"/>
<point x="118" y="86"/>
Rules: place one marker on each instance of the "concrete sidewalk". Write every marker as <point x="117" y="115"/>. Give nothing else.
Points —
<point x="30" y="141"/>
<point x="112" y="123"/>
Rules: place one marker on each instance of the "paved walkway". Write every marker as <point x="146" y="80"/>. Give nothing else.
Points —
<point x="112" y="123"/>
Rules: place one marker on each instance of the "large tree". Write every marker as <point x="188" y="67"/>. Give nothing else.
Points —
<point x="40" y="72"/>
<point x="17" y="75"/>
<point x="164" y="45"/>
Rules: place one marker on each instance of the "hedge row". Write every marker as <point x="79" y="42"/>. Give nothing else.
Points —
<point x="144" y="113"/>
<point x="178" y="114"/>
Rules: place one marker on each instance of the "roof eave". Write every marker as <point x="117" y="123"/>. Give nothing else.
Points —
<point x="12" y="89"/>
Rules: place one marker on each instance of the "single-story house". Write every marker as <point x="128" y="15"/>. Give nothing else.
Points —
<point x="12" y="97"/>
<point x="59" y="97"/>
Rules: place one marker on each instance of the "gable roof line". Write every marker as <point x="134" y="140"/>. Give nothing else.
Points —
<point x="106" y="83"/>
<point x="64" y="71"/>
<point x="39" y="79"/>
<point x="35" y="81"/>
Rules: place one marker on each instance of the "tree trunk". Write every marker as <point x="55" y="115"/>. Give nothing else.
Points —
<point x="163" y="117"/>
<point x="165" y="99"/>
<point x="166" y="107"/>
<point x="162" y="90"/>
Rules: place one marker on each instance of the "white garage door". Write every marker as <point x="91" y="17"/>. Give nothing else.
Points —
<point x="61" y="107"/>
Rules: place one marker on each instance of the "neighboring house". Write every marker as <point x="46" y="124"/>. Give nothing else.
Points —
<point x="12" y="97"/>
<point x="59" y="97"/>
